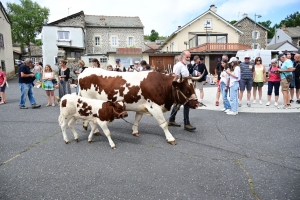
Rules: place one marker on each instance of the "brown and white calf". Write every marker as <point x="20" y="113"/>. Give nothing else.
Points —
<point x="95" y="111"/>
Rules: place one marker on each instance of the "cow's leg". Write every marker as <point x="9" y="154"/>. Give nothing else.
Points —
<point x="106" y="131"/>
<point x="137" y="119"/>
<point x="96" y="131"/>
<point x="155" y="110"/>
<point x="71" y="126"/>
<point x="63" y="125"/>
<point x="93" y="128"/>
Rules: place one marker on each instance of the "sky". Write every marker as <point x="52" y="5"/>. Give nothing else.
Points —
<point x="164" y="16"/>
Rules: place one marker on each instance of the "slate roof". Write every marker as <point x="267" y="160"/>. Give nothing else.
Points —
<point x="252" y="21"/>
<point x="293" y="32"/>
<point x="65" y="18"/>
<point x="4" y="13"/>
<point x="279" y="44"/>
<point x="113" y="21"/>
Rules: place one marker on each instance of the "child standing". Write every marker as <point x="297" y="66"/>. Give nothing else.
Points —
<point x="224" y="89"/>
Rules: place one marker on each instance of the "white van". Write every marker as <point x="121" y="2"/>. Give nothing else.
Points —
<point x="266" y="55"/>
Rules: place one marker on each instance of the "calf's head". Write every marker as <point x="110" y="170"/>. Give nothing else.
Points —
<point x="185" y="92"/>
<point x="119" y="109"/>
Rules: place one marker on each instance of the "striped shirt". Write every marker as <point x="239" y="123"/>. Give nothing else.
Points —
<point x="247" y="70"/>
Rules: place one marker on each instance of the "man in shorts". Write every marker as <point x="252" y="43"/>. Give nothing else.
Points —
<point x="292" y="84"/>
<point x="247" y="76"/>
<point x="200" y="67"/>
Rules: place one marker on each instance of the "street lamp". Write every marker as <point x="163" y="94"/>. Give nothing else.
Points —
<point x="255" y="35"/>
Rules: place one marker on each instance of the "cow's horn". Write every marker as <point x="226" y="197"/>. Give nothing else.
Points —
<point x="198" y="77"/>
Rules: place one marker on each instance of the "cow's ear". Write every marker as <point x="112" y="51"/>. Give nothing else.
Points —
<point x="175" y="84"/>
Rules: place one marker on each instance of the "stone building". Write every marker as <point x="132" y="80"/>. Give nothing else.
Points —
<point x="246" y="25"/>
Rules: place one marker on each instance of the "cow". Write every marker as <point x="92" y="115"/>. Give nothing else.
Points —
<point x="95" y="111"/>
<point x="149" y="93"/>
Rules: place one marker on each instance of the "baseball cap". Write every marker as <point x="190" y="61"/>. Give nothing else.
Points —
<point x="232" y="59"/>
<point x="118" y="60"/>
<point x="137" y="62"/>
<point x="247" y="56"/>
<point x="281" y="55"/>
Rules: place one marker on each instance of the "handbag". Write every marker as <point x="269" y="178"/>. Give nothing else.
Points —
<point x="54" y="81"/>
<point x="289" y="77"/>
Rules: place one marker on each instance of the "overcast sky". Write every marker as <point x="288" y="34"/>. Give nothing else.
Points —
<point x="165" y="16"/>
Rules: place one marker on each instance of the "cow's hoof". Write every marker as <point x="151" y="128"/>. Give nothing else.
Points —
<point x="172" y="142"/>
<point x="76" y="140"/>
<point x="91" y="141"/>
<point x="114" y="148"/>
<point x="68" y="142"/>
<point x="85" y="127"/>
<point x="136" y="134"/>
<point x="97" y="134"/>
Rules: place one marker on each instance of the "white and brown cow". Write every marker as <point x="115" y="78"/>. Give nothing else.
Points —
<point x="95" y="111"/>
<point x="149" y="93"/>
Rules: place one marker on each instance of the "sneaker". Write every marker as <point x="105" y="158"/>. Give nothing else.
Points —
<point x="283" y="107"/>
<point x="23" y="107"/>
<point x="268" y="103"/>
<point x="227" y="110"/>
<point x="298" y="101"/>
<point x="231" y="113"/>
<point x="254" y="102"/>
<point x="260" y="102"/>
<point x="289" y="106"/>
<point x="240" y="105"/>
<point x="223" y="109"/>
<point x="217" y="103"/>
<point x="201" y="100"/>
<point x="189" y="127"/>
<point x="275" y="104"/>
<point x="248" y="104"/>
<point x="291" y="101"/>
<point x="174" y="124"/>
<point x="35" y="106"/>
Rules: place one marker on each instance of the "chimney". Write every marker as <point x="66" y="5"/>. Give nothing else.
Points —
<point x="213" y="8"/>
<point x="283" y="27"/>
<point x="179" y="27"/>
<point x="245" y="15"/>
<point x="102" y="20"/>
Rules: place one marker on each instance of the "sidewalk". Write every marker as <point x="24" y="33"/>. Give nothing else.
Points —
<point x="210" y="99"/>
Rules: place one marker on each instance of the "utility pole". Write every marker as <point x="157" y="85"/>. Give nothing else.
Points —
<point x="255" y="35"/>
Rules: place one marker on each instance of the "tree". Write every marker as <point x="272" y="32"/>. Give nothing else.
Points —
<point x="292" y="20"/>
<point x="267" y="24"/>
<point x="232" y="22"/>
<point x="27" y="20"/>
<point x="153" y="36"/>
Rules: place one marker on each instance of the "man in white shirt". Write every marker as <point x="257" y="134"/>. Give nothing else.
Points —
<point x="181" y="68"/>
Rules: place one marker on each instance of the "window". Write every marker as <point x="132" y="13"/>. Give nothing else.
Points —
<point x="255" y="35"/>
<point x="97" y="41"/>
<point x="130" y="41"/>
<point x="114" y="41"/>
<point x="256" y="46"/>
<point x="1" y="40"/>
<point x="33" y="60"/>
<point x="63" y="35"/>
<point x="103" y="60"/>
<point x="76" y="55"/>
<point x="207" y="23"/>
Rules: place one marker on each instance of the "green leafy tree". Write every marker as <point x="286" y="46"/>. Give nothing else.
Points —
<point x="232" y="22"/>
<point x="153" y="36"/>
<point x="292" y="20"/>
<point x="27" y="20"/>
<point x="267" y="24"/>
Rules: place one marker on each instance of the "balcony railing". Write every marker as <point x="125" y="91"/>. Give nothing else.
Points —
<point x="219" y="47"/>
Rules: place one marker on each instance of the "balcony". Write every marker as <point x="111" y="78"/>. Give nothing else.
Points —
<point x="209" y="47"/>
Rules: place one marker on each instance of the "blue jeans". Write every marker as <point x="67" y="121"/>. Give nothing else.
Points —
<point x="224" y="96"/>
<point x="26" y="89"/>
<point x="186" y="112"/>
<point x="234" y="96"/>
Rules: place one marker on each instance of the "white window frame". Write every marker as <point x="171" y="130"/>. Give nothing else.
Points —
<point x="97" y="43"/>
<point x="257" y="45"/>
<point x="257" y="34"/>
<point x="33" y="59"/>
<point x="64" y="35"/>
<point x="206" y="25"/>
<point x="132" y="43"/>
<point x="103" y="60"/>
<point x="114" y="43"/>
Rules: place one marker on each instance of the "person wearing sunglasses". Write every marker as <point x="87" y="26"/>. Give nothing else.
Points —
<point x="273" y="82"/>
<point x="259" y="79"/>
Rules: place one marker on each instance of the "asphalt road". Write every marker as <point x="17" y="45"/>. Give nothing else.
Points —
<point x="248" y="156"/>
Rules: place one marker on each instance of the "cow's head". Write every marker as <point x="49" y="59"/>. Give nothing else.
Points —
<point x="184" y="92"/>
<point x="119" y="109"/>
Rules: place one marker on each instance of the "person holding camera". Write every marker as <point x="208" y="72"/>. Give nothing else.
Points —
<point x="273" y="82"/>
<point x="48" y="76"/>
<point x="119" y="67"/>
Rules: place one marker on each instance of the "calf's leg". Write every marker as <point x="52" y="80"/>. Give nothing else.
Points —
<point x="93" y="128"/>
<point x="137" y="119"/>
<point x="71" y="126"/>
<point x="63" y="125"/>
<point x="106" y="131"/>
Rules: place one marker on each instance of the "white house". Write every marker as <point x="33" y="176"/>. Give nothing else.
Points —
<point x="280" y="36"/>
<point x="6" y="49"/>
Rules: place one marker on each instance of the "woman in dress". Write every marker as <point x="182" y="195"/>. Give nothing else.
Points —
<point x="2" y="86"/>
<point x="64" y="75"/>
<point x="48" y="76"/>
<point x="259" y="79"/>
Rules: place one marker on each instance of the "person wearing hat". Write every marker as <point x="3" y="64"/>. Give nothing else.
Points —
<point x="247" y="76"/>
<point x="137" y="67"/>
<point x="285" y="72"/>
<point x="297" y="76"/>
<point x="118" y="67"/>
<point x="233" y="83"/>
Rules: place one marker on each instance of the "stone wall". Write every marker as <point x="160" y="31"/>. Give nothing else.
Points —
<point x="36" y="50"/>
<point x="105" y="35"/>
<point x="295" y="42"/>
<point x="247" y="27"/>
<point x="77" y="21"/>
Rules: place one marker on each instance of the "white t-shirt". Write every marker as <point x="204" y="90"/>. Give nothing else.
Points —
<point x="237" y="73"/>
<point x="180" y="68"/>
<point x="224" y="77"/>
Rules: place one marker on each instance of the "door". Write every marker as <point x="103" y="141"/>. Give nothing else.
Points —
<point x="213" y="60"/>
<point x="161" y="63"/>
